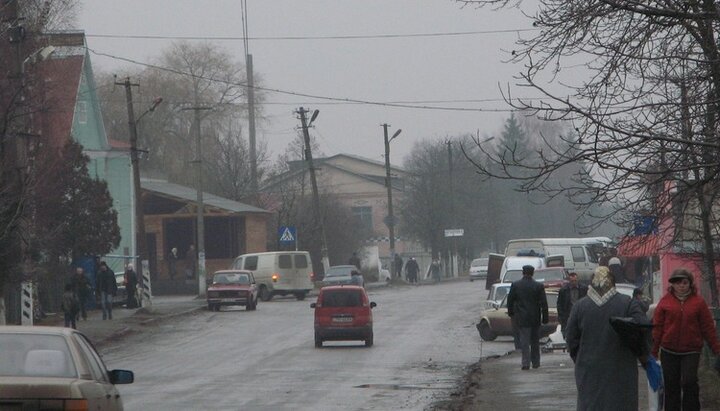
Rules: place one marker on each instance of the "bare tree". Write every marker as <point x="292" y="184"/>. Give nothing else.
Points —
<point x="645" y="110"/>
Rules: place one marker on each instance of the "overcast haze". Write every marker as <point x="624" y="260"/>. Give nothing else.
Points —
<point x="408" y="69"/>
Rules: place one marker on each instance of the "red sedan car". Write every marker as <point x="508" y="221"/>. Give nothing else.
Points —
<point x="232" y="287"/>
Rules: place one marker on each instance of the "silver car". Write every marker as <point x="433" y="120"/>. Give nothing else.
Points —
<point x="55" y="368"/>
<point x="478" y="269"/>
<point x="342" y="274"/>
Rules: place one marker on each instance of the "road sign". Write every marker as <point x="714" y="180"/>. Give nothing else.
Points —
<point x="454" y="232"/>
<point x="287" y="234"/>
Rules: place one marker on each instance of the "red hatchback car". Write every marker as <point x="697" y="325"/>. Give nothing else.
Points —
<point x="232" y="287"/>
<point x="343" y="313"/>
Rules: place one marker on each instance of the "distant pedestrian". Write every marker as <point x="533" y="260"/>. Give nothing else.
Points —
<point x="131" y="282"/>
<point x="82" y="290"/>
<point x="606" y="371"/>
<point x="107" y="289"/>
<point x="354" y="260"/>
<point x="681" y="323"/>
<point x="172" y="262"/>
<point x="435" y="270"/>
<point x="411" y="271"/>
<point x="528" y="307"/>
<point x="70" y="306"/>
<point x="639" y="296"/>
<point x="617" y="270"/>
<point x="190" y="262"/>
<point x="568" y="295"/>
<point x="398" y="263"/>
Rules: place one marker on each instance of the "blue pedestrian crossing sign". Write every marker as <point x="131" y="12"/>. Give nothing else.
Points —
<point x="287" y="234"/>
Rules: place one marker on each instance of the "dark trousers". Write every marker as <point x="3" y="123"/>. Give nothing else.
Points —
<point x="530" y="345"/>
<point x="82" y="313"/>
<point x="70" y="319"/>
<point x="681" y="381"/>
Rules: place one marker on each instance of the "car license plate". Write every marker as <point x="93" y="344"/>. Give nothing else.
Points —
<point x="342" y="319"/>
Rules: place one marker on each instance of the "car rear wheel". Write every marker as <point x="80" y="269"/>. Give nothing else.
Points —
<point x="300" y="295"/>
<point x="265" y="294"/>
<point x="486" y="333"/>
<point x="318" y="341"/>
<point x="369" y="341"/>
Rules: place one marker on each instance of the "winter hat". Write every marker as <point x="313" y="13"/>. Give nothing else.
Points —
<point x="680" y="274"/>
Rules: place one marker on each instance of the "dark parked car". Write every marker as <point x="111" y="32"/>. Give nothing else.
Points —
<point x="232" y="287"/>
<point x="343" y="313"/>
<point x="55" y="368"/>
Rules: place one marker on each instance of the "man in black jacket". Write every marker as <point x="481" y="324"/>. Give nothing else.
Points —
<point x="107" y="288"/>
<point x="528" y="306"/>
<point x="567" y="296"/>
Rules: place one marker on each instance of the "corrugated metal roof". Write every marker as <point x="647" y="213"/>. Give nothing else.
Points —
<point x="190" y="194"/>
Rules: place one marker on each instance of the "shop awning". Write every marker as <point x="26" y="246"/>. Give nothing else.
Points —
<point x="640" y="246"/>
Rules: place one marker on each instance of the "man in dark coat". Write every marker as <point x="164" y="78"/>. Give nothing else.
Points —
<point x="82" y="290"/>
<point x="528" y="307"/>
<point x="107" y="288"/>
<point x="411" y="271"/>
<point x="398" y="264"/>
<point x="567" y="297"/>
<point x="131" y="282"/>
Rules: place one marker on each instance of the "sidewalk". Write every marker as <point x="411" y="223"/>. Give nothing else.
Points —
<point x="126" y="321"/>
<point x="499" y="383"/>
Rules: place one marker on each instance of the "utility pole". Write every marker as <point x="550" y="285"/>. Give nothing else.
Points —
<point x="251" y="127"/>
<point x="390" y="222"/>
<point x="316" y="196"/>
<point x="202" y="286"/>
<point x="140" y="240"/>
<point x="453" y="244"/>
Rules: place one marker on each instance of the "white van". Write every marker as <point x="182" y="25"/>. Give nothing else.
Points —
<point x="279" y="272"/>
<point x="580" y="255"/>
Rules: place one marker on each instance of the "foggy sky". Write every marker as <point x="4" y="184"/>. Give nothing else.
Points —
<point x="408" y="69"/>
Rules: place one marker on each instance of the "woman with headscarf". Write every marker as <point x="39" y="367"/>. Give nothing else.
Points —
<point x="681" y="323"/>
<point x="606" y="371"/>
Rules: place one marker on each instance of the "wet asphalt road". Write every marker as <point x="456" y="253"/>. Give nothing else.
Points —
<point x="265" y="360"/>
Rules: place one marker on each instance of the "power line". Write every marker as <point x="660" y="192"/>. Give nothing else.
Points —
<point x="331" y="37"/>
<point x="300" y="94"/>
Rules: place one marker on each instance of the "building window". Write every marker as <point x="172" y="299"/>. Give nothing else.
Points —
<point x="363" y="216"/>
<point x="81" y="112"/>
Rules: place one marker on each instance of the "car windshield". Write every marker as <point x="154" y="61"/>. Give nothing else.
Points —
<point x="550" y="275"/>
<point x="35" y="355"/>
<point x="512" y="275"/>
<point x="501" y="292"/>
<point x="339" y="272"/>
<point x="242" y="279"/>
<point x="479" y="262"/>
<point x="342" y="298"/>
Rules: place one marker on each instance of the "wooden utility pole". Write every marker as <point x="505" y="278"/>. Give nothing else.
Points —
<point x="251" y="129"/>
<point x="390" y="221"/>
<point x="316" y="196"/>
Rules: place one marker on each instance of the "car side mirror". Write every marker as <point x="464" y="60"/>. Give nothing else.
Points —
<point x="313" y="305"/>
<point x="121" y="377"/>
<point x="372" y="304"/>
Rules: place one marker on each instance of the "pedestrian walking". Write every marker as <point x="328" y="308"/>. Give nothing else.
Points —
<point x="107" y="289"/>
<point x="70" y="306"/>
<point x="172" y="262"/>
<point x="435" y="270"/>
<point x="354" y="260"/>
<point x="528" y="307"/>
<point x="398" y="265"/>
<point x="568" y="295"/>
<point x="606" y="371"/>
<point x="82" y="290"/>
<point x="681" y="323"/>
<point x="190" y="262"/>
<point x="131" y="282"/>
<point x="411" y="271"/>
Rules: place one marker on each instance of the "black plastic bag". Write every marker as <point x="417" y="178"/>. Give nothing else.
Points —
<point x="633" y="334"/>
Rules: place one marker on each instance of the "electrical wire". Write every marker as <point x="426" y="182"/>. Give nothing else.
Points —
<point x="300" y="94"/>
<point x="285" y="38"/>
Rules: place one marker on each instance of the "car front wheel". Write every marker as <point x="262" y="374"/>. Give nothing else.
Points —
<point x="486" y="333"/>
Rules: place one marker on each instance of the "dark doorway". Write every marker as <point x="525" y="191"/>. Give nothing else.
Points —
<point x="179" y="233"/>
<point x="151" y="243"/>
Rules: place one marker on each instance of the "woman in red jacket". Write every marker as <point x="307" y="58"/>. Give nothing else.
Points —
<point x="682" y="322"/>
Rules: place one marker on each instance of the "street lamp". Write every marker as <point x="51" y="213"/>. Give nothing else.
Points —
<point x="388" y="183"/>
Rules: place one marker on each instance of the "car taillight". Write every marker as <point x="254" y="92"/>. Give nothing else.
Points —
<point x="75" y="405"/>
<point x="275" y="277"/>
